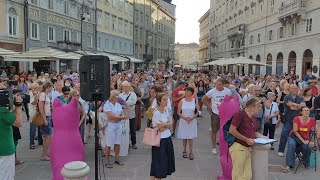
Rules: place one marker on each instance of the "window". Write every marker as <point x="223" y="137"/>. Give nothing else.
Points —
<point x="106" y="44"/>
<point x="120" y="46"/>
<point x="270" y="35"/>
<point x="99" y="42"/>
<point x="125" y="47"/>
<point x="261" y="7"/>
<point x="51" y="34"/>
<point x="78" y="36"/>
<point x="293" y="28"/>
<point x="114" y="3"/>
<point x="281" y="32"/>
<point x="79" y="12"/>
<point x="125" y="28"/>
<point x="12" y="22"/>
<point x="66" y="7"/>
<point x="66" y="35"/>
<point x="309" y="25"/>
<point x="126" y="7"/>
<point x="251" y="39"/>
<point x="99" y="19"/>
<point x="253" y="9"/>
<point x="90" y="41"/>
<point x="113" y="44"/>
<point x="232" y="43"/>
<point x="114" y="23"/>
<point x="259" y="38"/>
<point x="34" y="31"/>
<point x="272" y="5"/>
<point x="50" y="4"/>
<point x="107" y="21"/>
<point x="120" y="25"/>
<point x="35" y="2"/>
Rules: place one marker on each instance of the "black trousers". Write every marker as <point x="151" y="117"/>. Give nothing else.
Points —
<point x="269" y="128"/>
<point x="26" y="108"/>
<point x="133" y="129"/>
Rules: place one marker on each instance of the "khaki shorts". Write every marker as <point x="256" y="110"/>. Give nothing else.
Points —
<point x="215" y="122"/>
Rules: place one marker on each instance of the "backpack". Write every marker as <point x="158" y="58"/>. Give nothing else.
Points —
<point x="228" y="137"/>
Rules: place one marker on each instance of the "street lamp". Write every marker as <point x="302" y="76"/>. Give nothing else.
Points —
<point x="82" y="18"/>
<point x="168" y="58"/>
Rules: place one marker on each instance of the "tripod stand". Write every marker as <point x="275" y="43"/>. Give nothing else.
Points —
<point x="314" y="138"/>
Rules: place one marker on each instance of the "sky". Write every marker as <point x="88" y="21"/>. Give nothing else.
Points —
<point x="188" y="12"/>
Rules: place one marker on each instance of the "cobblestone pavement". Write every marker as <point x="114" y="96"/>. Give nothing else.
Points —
<point x="205" y="166"/>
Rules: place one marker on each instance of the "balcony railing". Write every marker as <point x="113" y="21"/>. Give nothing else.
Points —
<point x="237" y="32"/>
<point x="294" y="8"/>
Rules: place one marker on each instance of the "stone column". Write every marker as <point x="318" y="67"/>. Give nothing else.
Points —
<point x="58" y="66"/>
<point x="260" y="158"/>
<point x="75" y="170"/>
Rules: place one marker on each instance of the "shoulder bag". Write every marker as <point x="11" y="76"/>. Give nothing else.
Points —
<point x="151" y="136"/>
<point x="37" y="119"/>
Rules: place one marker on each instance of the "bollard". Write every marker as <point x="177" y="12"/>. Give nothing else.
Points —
<point x="75" y="170"/>
<point x="260" y="157"/>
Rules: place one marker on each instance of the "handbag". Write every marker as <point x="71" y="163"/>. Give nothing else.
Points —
<point x="269" y="123"/>
<point x="37" y="119"/>
<point x="151" y="137"/>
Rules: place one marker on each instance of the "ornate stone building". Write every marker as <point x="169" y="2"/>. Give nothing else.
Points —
<point x="204" y="37"/>
<point x="186" y="54"/>
<point x="282" y="33"/>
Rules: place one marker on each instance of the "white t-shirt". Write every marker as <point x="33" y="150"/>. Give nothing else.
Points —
<point x="131" y="100"/>
<point x="46" y="99"/>
<point x="161" y="117"/>
<point x="274" y="108"/>
<point x="216" y="98"/>
<point x="32" y="108"/>
<point x="243" y="89"/>
<point x="115" y="109"/>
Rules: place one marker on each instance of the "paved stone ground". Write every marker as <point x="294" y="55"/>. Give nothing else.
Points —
<point x="205" y="166"/>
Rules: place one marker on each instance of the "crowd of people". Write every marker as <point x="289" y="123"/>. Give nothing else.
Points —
<point x="172" y="100"/>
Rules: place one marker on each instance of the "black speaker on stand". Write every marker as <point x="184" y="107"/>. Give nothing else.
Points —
<point x="95" y="86"/>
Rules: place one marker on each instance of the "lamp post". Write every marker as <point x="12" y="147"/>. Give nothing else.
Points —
<point x="168" y="57"/>
<point x="149" y="38"/>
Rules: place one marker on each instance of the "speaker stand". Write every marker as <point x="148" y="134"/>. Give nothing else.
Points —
<point x="96" y="142"/>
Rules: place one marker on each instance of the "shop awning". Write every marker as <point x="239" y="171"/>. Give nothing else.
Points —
<point x="45" y="54"/>
<point x="113" y="57"/>
<point x="6" y="52"/>
<point x="20" y="59"/>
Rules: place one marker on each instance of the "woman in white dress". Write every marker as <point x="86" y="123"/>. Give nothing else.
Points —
<point x="187" y="130"/>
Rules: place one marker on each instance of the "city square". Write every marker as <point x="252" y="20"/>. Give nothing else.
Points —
<point x="178" y="89"/>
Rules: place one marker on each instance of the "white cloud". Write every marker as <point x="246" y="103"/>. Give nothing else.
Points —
<point x="188" y="12"/>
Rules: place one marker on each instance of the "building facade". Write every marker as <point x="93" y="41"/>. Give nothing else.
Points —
<point x="204" y="37"/>
<point x="186" y="54"/>
<point x="66" y="25"/>
<point x="154" y="33"/>
<point x="12" y="31"/>
<point x="281" y="33"/>
<point x="115" y="27"/>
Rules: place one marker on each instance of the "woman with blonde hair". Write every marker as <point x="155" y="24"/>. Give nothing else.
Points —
<point x="113" y="130"/>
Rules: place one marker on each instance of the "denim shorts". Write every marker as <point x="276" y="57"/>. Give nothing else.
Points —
<point x="47" y="130"/>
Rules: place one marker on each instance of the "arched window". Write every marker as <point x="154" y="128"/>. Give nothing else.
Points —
<point x="12" y="22"/>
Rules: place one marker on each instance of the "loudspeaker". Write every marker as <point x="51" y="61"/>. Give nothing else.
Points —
<point x="94" y="77"/>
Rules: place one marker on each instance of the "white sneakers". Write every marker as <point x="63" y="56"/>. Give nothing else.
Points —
<point x="280" y="154"/>
<point x="214" y="151"/>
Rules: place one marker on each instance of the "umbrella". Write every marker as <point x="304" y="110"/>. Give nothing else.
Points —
<point x="45" y="53"/>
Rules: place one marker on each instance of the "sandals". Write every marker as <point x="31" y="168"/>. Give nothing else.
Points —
<point x="119" y="162"/>
<point x="184" y="155"/>
<point x="108" y="165"/>
<point x="286" y="169"/>
<point x="46" y="158"/>
<point x="191" y="156"/>
<point x="19" y="162"/>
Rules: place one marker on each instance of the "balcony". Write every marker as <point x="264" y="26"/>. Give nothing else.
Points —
<point x="294" y="10"/>
<point x="213" y="41"/>
<point x="236" y="32"/>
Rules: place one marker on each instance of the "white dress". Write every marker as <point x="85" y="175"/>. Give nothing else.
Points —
<point x="185" y="130"/>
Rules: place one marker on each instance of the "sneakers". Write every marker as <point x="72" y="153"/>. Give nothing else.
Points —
<point x="214" y="151"/>
<point x="280" y="154"/>
<point x="134" y="146"/>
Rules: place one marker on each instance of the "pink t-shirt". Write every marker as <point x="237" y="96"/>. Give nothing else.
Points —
<point x="43" y="97"/>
